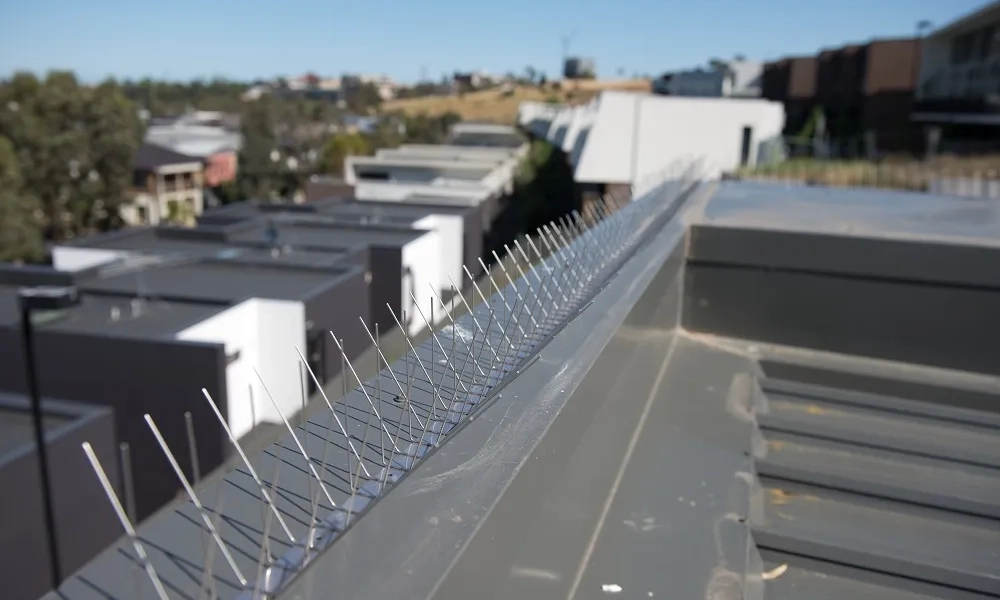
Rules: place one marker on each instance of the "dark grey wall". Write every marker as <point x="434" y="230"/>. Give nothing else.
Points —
<point x="337" y="309"/>
<point x="386" y="286"/>
<point x="933" y="324"/>
<point x="472" y="244"/>
<point x="133" y="376"/>
<point x="85" y="522"/>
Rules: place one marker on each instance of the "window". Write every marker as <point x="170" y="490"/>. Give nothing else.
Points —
<point x="962" y="48"/>
<point x="142" y="214"/>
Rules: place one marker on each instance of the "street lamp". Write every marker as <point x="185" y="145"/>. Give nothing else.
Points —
<point x="32" y="299"/>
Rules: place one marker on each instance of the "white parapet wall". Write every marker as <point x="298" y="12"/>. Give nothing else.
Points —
<point x="73" y="258"/>
<point x="263" y="335"/>
<point x="625" y="137"/>
<point x="423" y="268"/>
<point x="450" y="230"/>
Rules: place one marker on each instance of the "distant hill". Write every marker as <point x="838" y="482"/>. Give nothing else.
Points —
<point x="501" y="106"/>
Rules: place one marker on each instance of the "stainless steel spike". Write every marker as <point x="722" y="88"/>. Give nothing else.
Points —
<point x="247" y="464"/>
<point x="302" y="395"/>
<point x="264" y="556"/>
<point x="208" y="567"/>
<point x="340" y="425"/>
<point x="363" y="390"/>
<point x="548" y="269"/>
<point x="551" y="244"/>
<point x="438" y="342"/>
<point x="295" y="438"/>
<point x="140" y="550"/>
<point x="472" y="315"/>
<point x="192" y="447"/>
<point x="391" y="372"/>
<point x="128" y="483"/>
<point x="436" y="392"/>
<point x="378" y="389"/>
<point x="517" y="292"/>
<point x="558" y="272"/>
<point x="568" y="247"/>
<point x="194" y="499"/>
<point x="537" y="291"/>
<point x="480" y="292"/>
<point x="454" y="326"/>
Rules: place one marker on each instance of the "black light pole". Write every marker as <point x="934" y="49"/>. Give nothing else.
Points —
<point x="31" y="299"/>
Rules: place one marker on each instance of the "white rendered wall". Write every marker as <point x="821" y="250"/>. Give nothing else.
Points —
<point x="706" y="129"/>
<point x="423" y="260"/>
<point x="264" y="333"/>
<point x="71" y="258"/>
<point x="465" y="194"/>
<point x="451" y="229"/>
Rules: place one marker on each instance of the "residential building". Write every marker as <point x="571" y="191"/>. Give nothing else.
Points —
<point x="734" y="78"/>
<point x="216" y="142"/>
<point x="85" y="523"/>
<point x="338" y="271"/>
<point x="460" y="227"/>
<point x="401" y="260"/>
<point x="472" y="80"/>
<point x="959" y="81"/>
<point x="486" y="135"/>
<point x="864" y="91"/>
<point x="167" y="187"/>
<point x="621" y="139"/>
<point x="577" y="67"/>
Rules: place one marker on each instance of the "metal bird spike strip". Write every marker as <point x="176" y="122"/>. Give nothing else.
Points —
<point x="286" y="505"/>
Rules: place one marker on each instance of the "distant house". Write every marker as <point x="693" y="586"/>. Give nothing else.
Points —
<point x="576" y="67"/>
<point x="167" y="187"/>
<point x="211" y="137"/>
<point x="730" y="79"/>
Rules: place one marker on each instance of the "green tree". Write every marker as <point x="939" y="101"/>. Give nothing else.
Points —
<point x="74" y="145"/>
<point x="340" y="147"/>
<point x="20" y="233"/>
<point x="258" y="173"/>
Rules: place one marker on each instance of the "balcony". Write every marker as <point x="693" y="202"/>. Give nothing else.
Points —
<point x="969" y="81"/>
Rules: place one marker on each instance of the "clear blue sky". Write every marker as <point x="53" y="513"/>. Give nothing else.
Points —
<point x="246" y="39"/>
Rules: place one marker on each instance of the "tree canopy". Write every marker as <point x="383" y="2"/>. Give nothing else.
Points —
<point x="72" y="150"/>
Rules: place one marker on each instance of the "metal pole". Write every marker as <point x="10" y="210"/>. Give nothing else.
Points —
<point x="43" y="459"/>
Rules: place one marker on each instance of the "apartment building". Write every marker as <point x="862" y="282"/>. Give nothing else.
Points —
<point x="621" y="139"/>
<point x="167" y="187"/>
<point x="737" y="78"/>
<point x="865" y="91"/>
<point x="210" y="136"/>
<point x="959" y="82"/>
<point x="155" y="327"/>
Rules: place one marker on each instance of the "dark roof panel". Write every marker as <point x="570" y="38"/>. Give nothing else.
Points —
<point x="151" y="156"/>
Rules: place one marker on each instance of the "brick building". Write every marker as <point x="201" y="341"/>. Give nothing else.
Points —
<point x="861" y="88"/>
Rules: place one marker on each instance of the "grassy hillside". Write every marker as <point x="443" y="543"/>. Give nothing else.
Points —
<point x="501" y="107"/>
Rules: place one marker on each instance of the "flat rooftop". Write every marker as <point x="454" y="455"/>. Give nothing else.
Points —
<point x="310" y="232"/>
<point x="113" y="316"/>
<point x="351" y="211"/>
<point x="17" y="427"/>
<point x="217" y="281"/>
<point x="859" y="212"/>
<point x="157" y="241"/>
